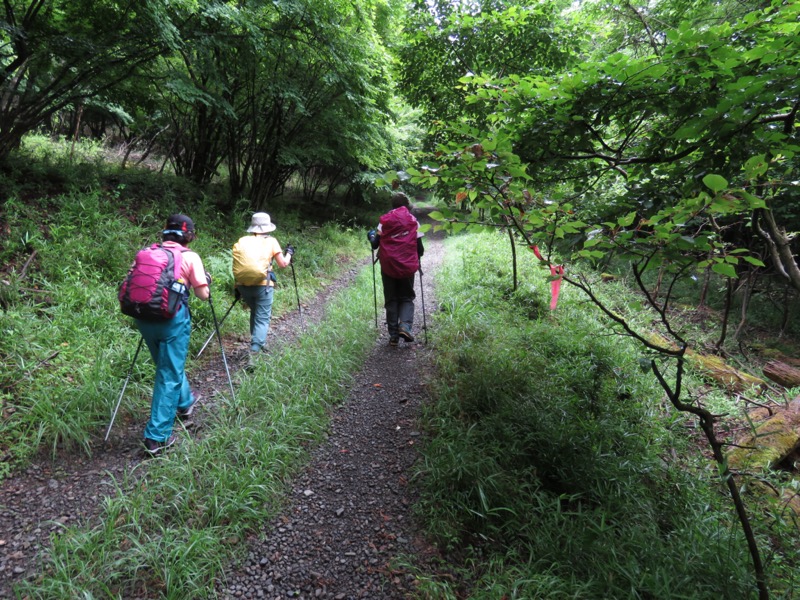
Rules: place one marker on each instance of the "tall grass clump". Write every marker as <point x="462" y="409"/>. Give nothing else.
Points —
<point x="63" y="334"/>
<point x="189" y="514"/>
<point x="549" y="468"/>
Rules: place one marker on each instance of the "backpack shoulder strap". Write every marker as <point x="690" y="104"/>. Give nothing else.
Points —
<point x="177" y="258"/>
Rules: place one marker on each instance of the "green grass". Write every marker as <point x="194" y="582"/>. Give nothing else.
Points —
<point x="553" y="467"/>
<point x="66" y="347"/>
<point x="177" y="527"/>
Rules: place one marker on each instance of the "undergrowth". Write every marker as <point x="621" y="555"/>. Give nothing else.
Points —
<point x="553" y="467"/>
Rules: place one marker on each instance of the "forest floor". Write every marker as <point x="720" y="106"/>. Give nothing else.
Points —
<point x="347" y="529"/>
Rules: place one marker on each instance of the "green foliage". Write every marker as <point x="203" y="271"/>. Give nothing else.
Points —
<point x="547" y="465"/>
<point x="72" y="52"/>
<point x="445" y="41"/>
<point x="671" y="154"/>
<point x="263" y="92"/>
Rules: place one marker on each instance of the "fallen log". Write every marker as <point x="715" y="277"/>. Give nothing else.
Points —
<point x="714" y="368"/>
<point x="782" y="374"/>
<point x="772" y="444"/>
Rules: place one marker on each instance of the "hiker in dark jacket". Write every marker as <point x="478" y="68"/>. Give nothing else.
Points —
<point x="399" y="244"/>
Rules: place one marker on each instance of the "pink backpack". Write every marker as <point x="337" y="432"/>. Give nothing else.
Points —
<point x="153" y="289"/>
<point x="398" y="251"/>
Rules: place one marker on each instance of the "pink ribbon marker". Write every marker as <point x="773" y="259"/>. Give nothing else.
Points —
<point x="555" y="271"/>
<point x="555" y="285"/>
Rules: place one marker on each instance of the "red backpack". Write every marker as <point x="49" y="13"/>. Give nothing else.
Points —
<point x="398" y="252"/>
<point x="153" y="289"/>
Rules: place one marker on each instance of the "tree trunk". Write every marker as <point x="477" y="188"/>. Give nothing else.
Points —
<point x="747" y="294"/>
<point x="77" y="133"/>
<point x="725" y="314"/>
<point x="780" y="248"/>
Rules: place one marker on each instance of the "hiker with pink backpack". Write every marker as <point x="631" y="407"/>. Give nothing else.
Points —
<point x="156" y="293"/>
<point x="399" y="244"/>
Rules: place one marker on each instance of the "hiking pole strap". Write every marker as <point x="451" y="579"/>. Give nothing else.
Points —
<point x="122" y="393"/>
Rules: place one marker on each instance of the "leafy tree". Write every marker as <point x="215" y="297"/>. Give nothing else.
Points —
<point x="617" y="156"/>
<point x="270" y="90"/>
<point x="445" y="41"/>
<point x="56" y="54"/>
<point x="323" y="95"/>
<point x="710" y="101"/>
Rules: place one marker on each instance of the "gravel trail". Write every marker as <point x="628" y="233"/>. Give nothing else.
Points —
<point x="348" y="515"/>
<point x="348" y="531"/>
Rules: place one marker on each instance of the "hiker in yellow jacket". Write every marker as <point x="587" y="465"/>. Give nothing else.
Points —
<point x="252" y="272"/>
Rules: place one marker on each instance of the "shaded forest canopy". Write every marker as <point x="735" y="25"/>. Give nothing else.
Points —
<point x="609" y="108"/>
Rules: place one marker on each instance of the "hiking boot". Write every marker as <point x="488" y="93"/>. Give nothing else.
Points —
<point x="394" y="340"/>
<point x="405" y="332"/>
<point x="252" y="361"/>
<point x="185" y="413"/>
<point x="152" y="447"/>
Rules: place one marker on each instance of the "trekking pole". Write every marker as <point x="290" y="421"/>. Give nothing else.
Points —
<point x="422" y="294"/>
<point x="297" y="293"/>
<point x="374" y="288"/>
<point x="130" y="371"/>
<point x="221" y="347"/>
<point x="212" y="333"/>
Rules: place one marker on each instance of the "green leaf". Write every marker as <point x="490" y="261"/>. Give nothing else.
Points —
<point x="754" y="201"/>
<point x="627" y="220"/>
<point x="753" y="261"/>
<point x="715" y="183"/>
<point x="724" y="269"/>
<point x="756" y="166"/>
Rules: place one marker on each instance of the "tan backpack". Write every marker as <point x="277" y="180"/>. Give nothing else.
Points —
<point x="252" y="260"/>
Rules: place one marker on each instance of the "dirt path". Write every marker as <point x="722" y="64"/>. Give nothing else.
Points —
<point x="348" y="528"/>
<point x="349" y="512"/>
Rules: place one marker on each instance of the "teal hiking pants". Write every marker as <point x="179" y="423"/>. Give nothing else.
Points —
<point x="168" y="342"/>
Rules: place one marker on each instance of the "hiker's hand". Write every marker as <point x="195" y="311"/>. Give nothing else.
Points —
<point x="290" y="250"/>
<point x="236" y="293"/>
<point x="208" y="278"/>
<point x="372" y="236"/>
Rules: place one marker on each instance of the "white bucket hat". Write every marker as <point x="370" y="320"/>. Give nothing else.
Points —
<point x="261" y="223"/>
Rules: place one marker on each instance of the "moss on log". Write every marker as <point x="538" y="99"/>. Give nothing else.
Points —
<point x="715" y="368"/>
